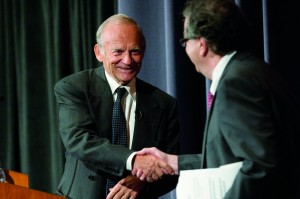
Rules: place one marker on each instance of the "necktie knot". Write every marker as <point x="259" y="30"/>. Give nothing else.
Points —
<point x="120" y="92"/>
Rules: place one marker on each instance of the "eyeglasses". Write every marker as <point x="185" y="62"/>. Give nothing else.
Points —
<point x="184" y="40"/>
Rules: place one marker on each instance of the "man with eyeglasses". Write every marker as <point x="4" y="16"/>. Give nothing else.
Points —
<point x="253" y="117"/>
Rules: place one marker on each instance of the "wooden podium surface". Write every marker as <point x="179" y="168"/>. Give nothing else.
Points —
<point x="10" y="191"/>
<point x="16" y="178"/>
<point x="17" y="188"/>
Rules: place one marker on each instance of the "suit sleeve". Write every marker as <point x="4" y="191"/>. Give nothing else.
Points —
<point x="189" y="161"/>
<point x="79" y="133"/>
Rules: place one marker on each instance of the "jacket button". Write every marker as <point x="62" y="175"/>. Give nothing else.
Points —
<point x="92" y="178"/>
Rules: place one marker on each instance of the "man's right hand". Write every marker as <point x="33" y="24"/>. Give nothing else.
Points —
<point x="151" y="168"/>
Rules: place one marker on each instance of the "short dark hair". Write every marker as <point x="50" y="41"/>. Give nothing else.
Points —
<point x="220" y="22"/>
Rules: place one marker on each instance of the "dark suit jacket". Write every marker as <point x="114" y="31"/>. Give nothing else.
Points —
<point x="252" y="119"/>
<point x="85" y="111"/>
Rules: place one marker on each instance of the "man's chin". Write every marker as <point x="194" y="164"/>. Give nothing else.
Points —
<point x="125" y="81"/>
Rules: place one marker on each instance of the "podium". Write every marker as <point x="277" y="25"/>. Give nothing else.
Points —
<point x="17" y="188"/>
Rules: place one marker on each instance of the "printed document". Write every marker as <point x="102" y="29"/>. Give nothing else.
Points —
<point x="210" y="183"/>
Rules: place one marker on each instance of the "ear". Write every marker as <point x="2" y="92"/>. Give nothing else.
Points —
<point x="203" y="46"/>
<point x="98" y="54"/>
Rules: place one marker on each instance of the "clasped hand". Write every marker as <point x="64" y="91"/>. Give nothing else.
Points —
<point x="150" y="164"/>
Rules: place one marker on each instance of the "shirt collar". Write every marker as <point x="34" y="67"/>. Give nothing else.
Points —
<point x="218" y="71"/>
<point x="130" y="87"/>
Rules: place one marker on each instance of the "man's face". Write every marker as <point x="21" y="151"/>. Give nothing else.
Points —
<point x="121" y="52"/>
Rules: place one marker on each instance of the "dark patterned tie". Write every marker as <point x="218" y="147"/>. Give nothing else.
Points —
<point x="119" y="133"/>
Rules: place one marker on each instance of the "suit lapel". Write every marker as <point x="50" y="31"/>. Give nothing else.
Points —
<point x="207" y="123"/>
<point x="101" y="102"/>
<point x="147" y="116"/>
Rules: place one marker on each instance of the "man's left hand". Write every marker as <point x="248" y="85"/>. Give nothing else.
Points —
<point x="127" y="188"/>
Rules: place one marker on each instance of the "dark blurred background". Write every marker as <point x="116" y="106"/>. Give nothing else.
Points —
<point x="45" y="40"/>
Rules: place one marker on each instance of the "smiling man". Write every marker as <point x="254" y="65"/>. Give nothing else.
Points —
<point x="86" y="102"/>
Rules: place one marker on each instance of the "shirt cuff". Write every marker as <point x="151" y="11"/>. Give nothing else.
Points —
<point x="129" y="161"/>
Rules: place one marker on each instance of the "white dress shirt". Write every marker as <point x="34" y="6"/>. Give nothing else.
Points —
<point x="218" y="71"/>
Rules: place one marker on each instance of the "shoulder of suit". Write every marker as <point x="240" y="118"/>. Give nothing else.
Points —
<point x="79" y="79"/>
<point x="147" y="88"/>
<point x="82" y="75"/>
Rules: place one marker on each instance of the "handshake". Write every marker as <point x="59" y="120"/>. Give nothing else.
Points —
<point x="150" y="164"/>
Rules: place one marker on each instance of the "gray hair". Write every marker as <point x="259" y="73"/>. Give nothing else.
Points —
<point x="120" y="18"/>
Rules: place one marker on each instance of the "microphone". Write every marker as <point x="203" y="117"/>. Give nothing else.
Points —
<point x="2" y="175"/>
<point x="139" y="114"/>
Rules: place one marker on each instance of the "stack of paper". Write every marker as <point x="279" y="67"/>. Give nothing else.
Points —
<point x="206" y="183"/>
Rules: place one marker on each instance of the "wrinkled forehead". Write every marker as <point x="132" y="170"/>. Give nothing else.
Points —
<point x="126" y="30"/>
<point x="119" y="26"/>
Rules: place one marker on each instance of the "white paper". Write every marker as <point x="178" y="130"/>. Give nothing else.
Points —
<point x="206" y="183"/>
